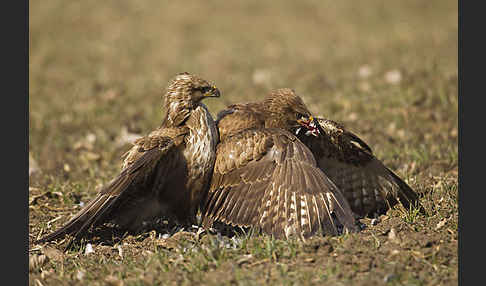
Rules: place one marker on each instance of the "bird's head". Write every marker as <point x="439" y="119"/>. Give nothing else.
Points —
<point x="191" y="88"/>
<point x="184" y="92"/>
<point x="286" y="110"/>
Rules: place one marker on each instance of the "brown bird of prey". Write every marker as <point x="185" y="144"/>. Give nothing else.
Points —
<point x="266" y="178"/>
<point x="368" y="185"/>
<point x="164" y="174"/>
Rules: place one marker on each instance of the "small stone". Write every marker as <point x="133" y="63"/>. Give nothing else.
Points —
<point x="89" y="249"/>
<point x="393" y="77"/>
<point x="165" y="236"/>
<point x="80" y="275"/>
<point x="353" y="116"/>
<point x="364" y="71"/>
<point x="453" y="133"/>
<point x="392" y="235"/>
<point x="441" y="224"/>
<point x="90" y="138"/>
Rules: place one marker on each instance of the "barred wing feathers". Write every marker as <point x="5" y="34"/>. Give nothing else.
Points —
<point x="267" y="178"/>
<point x="133" y="182"/>
<point x="368" y="185"/>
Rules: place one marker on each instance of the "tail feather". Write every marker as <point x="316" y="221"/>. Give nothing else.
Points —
<point x="91" y="214"/>
<point x="407" y="196"/>
<point x="81" y="221"/>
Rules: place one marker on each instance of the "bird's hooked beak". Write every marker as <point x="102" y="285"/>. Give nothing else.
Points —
<point x="310" y="124"/>
<point x="213" y="91"/>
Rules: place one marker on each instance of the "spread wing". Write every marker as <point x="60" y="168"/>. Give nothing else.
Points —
<point x="368" y="185"/>
<point x="266" y="178"/>
<point x="149" y="155"/>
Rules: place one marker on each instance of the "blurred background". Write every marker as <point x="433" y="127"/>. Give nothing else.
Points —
<point x="385" y="69"/>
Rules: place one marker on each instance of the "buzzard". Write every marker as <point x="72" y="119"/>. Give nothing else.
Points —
<point x="164" y="174"/>
<point x="266" y="178"/>
<point x="368" y="185"/>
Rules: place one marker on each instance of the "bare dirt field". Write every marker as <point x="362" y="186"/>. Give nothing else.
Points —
<point x="387" y="70"/>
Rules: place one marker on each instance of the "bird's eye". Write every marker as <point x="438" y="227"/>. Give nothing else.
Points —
<point x="205" y="89"/>
<point x="299" y="116"/>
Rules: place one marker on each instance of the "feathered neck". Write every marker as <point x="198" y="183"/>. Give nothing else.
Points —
<point x="178" y="104"/>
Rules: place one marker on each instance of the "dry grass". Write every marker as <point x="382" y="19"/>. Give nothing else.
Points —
<point x="387" y="70"/>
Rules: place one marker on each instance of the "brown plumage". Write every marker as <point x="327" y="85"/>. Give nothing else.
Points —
<point x="164" y="174"/>
<point x="266" y="178"/>
<point x="368" y="185"/>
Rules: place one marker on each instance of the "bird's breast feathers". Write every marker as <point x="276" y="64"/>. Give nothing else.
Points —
<point x="202" y="140"/>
